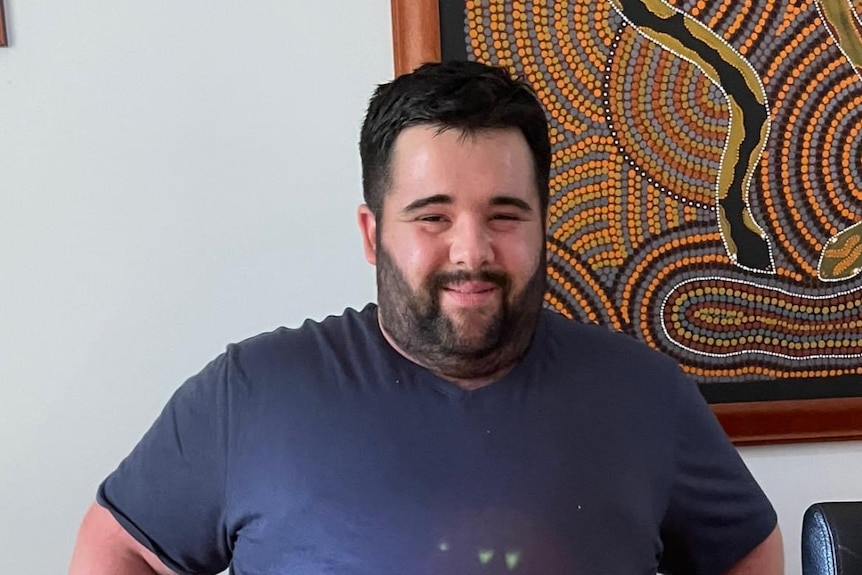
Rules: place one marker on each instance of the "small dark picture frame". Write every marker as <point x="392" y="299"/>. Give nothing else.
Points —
<point x="3" y="38"/>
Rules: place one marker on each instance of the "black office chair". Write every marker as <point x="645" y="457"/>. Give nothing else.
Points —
<point x="832" y="539"/>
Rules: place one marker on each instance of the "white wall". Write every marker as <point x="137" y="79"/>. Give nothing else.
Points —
<point x="175" y="176"/>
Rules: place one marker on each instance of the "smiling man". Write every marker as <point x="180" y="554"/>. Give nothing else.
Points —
<point x="455" y="427"/>
<point x="459" y="251"/>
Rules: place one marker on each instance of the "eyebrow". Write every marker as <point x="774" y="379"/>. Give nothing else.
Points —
<point x="429" y="201"/>
<point x="444" y="199"/>
<point x="511" y="201"/>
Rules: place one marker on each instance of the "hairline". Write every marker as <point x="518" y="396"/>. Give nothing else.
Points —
<point x="465" y="132"/>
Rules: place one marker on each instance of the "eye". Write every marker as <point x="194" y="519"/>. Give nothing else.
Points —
<point x="505" y="221"/>
<point x="433" y="221"/>
<point x="507" y="217"/>
<point x="432" y="218"/>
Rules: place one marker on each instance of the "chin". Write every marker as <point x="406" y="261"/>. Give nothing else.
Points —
<point x="475" y="332"/>
<point x="477" y="343"/>
<point x="465" y="317"/>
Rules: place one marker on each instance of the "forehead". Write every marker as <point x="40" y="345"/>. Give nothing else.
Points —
<point x="427" y="160"/>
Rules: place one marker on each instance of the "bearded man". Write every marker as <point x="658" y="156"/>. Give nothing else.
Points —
<point x="455" y="427"/>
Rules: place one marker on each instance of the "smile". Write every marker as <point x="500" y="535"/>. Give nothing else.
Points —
<point x="471" y="293"/>
<point x="472" y="287"/>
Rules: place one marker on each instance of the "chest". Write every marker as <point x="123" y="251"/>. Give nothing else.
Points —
<point x="434" y="488"/>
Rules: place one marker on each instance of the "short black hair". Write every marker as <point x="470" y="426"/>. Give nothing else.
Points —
<point x="463" y="95"/>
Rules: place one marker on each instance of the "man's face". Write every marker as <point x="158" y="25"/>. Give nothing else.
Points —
<point x="459" y="250"/>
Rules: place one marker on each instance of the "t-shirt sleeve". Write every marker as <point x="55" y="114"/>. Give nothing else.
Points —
<point x="717" y="513"/>
<point x="169" y="493"/>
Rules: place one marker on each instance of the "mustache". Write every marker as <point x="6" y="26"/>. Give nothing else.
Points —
<point x="440" y="280"/>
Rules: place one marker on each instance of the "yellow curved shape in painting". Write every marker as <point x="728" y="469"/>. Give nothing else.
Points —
<point x="744" y="240"/>
<point x="841" y="258"/>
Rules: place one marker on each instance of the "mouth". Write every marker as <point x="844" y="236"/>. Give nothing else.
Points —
<point x="471" y="293"/>
<point x="471" y="287"/>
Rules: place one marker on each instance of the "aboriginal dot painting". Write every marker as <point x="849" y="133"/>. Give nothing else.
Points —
<point x="706" y="191"/>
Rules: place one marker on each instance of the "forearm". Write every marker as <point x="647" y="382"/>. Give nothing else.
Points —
<point x="104" y="548"/>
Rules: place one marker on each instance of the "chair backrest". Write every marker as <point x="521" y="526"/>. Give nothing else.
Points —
<point x="832" y="539"/>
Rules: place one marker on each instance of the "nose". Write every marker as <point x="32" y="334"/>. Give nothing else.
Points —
<point x="471" y="245"/>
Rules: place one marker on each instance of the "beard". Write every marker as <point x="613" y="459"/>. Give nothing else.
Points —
<point x="469" y="344"/>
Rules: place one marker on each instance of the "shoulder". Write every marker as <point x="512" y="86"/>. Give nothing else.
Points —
<point x="314" y="350"/>
<point x="612" y="369"/>
<point x="590" y="344"/>
<point x="279" y="366"/>
<point x="334" y="330"/>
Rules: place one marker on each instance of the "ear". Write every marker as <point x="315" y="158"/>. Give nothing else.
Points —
<point x="368" y="229"/>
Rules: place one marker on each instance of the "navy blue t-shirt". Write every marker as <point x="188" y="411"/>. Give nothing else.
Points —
<point x="322" y="450"/>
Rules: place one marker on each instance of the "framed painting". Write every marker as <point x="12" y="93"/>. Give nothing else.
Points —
<point x="706" y="185"/>
<point x="3" y="41"/>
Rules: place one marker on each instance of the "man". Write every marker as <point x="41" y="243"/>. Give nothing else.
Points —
<point x="455" y="429"/>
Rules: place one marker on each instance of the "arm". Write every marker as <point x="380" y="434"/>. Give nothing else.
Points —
<point x="765" y="559"/>
<point x="105" y="548"/>
<point x="170" y="488"/>
<point x="718" y="519"/>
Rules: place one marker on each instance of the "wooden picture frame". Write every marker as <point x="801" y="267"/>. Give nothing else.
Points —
<point x="3" y="38"/>
<point x="416" y="39"/>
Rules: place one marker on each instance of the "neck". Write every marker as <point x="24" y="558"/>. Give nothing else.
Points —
<point x="494" y="375"/>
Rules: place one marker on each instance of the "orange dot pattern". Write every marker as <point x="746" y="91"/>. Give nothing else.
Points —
<point x="728" y="319"/>
<point x="676" y="135"/>
<point x="638" y="135"/>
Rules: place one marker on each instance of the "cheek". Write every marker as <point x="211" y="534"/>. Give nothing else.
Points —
<point x="522" y="257"/>
<point x="416" y="257"/>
